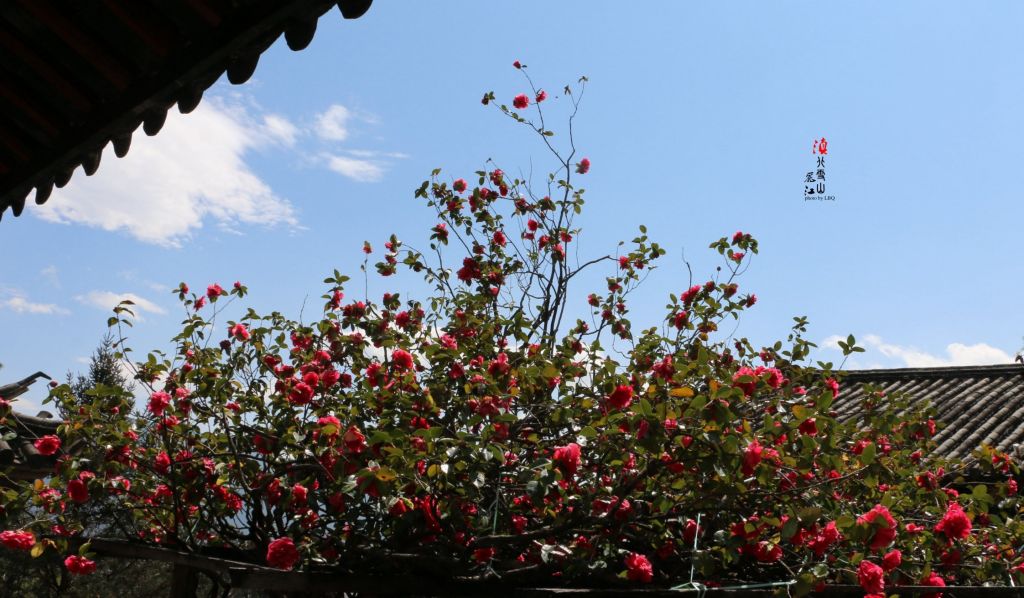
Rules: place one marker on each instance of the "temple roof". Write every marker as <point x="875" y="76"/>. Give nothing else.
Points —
<point x="976" y="404"/>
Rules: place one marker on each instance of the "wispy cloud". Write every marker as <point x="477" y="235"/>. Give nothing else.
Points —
<point x="280" y="129"/>
<point x="107" y="300"/>
<point x="18" y="303"/>
<point x="907" y="356"/>
<point x="332" y="124"/>
<point x="361" y="153"/>
<point x="363" y="171"/>
<point x="193" y="172"/>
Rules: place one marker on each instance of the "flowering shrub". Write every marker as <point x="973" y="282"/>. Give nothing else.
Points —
<point x="491" y="430"/>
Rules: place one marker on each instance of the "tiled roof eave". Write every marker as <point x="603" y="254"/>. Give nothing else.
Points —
<point x="235" y="49"/>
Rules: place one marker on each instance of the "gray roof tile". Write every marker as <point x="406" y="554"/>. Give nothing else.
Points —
<point x="976" y="404"/>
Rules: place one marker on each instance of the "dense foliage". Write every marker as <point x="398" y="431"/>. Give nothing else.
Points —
<point x="483" y="432"/>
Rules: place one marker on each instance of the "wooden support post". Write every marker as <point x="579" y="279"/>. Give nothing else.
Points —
<point x="184" y="582"/>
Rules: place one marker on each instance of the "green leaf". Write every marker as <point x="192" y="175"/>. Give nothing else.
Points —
<point x="868" y="456"/>
<point x="790" y="528"/>
<point x="845" y="522"/>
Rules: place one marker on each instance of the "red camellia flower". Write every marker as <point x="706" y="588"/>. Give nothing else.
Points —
<point x="158" y="401"/>
<point x="541" y="96"/>
<point x="621" y="397"/>
<point x="79" y="565"/>
<point x="773" y="376"/>
<point x="639" y="568"/>
<point x="517" y="64"/>
<point x="828" y="536"/>
<point x="484" y="555"/>
<point x="690" y="531"/>
<point x="470" y="270"/>
<point x="954" y="524"/>
<point x="746" y="387"/>
<point x="301" y="394"/>
<point x="751" y="457"/>
<point x="330" y="377"/>
<point x="568" y="457"/>
<point x="519" y="523"/>
<point x="311" y="379"/>
<point x="583" y="166"/>
<point x="330" y="420"/>
<point x="402" y="360"/>
<point x="935" y="581"/>
<point x="162" y="463"/>
<point x="809" y="426"/>
<point x="239" y="332"/>
<point x="833" y="386"/>
<point x="282" y="554"/>
<point x="78" y="491"/>
<point x="521" y="101"/>
<point x="871" y="577"/>
<point x="299" y="494"/>
<point x="500" y="365"/>
<point x="213" y="291"/>
<point x="885" y="526"/>
<point x="17" y="540"/>
<point x="47" y="445"/>
<point x="354" y="440"/>
<point x="459" y="185"/>
<point x="766" y="552"/>
<point x="892" y="559"/>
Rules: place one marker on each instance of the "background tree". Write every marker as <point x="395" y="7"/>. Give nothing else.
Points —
<point x="106" y="374"/>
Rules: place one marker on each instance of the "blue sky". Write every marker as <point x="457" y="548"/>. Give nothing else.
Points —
<point x="698" y="120"/>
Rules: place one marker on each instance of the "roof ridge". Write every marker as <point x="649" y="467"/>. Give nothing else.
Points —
<point x="1005" y="369"/>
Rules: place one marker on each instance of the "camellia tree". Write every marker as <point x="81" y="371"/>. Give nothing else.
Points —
<point x="499" y="431"/>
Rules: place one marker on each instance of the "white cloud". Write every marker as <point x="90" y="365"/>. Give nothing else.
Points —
<point x="280" y="128"/>
<point x="901" y="355"/>
<point x="19" y="304"/>
<point x="363" y="171"/>
<point x="332" y="124"/>
<point x="361" y="153"/>
<point x="190" y="173"/>
<point x="107" y="300"/>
